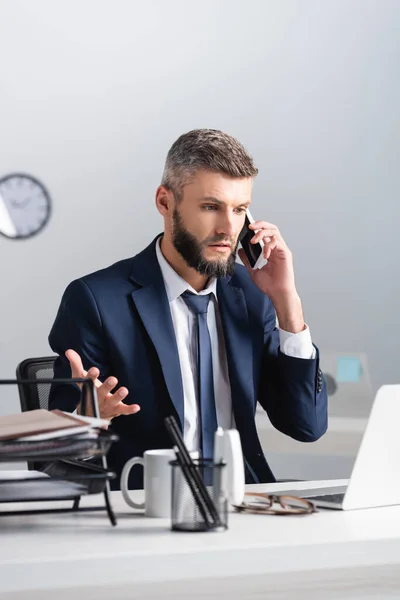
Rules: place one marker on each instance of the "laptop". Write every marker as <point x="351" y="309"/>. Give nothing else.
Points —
<point x="375" y="478"/>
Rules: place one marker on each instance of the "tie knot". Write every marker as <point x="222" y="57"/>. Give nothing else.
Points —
<point x="197" y="303"/>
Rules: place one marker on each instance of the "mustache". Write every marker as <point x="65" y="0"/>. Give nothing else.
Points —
<point x="218" y="239"/>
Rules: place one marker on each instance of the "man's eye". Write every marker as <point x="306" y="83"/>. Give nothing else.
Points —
<point x="210" y="207"/>
<point x="240" y="211"/>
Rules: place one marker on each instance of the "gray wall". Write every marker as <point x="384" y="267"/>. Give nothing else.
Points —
<point x="92" y="94"/>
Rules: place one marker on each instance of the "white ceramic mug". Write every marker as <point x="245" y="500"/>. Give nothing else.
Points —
<point x="157" y="481"/>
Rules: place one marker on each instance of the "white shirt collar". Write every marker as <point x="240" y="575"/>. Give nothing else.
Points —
<point x="175" y="285"/>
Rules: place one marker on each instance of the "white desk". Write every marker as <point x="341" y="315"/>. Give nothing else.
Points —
<point x="80" y="555"/>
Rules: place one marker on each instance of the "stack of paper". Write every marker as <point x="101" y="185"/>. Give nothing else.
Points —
<point x="38" y="425"/>
<point x="40" y="434"/>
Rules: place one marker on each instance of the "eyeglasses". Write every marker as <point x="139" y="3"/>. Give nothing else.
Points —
<point x="265" y="504"/>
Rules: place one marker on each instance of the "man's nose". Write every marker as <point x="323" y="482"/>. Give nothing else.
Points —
<point x="226" y="226"/>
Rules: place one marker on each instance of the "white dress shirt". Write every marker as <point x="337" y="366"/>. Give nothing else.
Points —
<point x="293" y="344"/>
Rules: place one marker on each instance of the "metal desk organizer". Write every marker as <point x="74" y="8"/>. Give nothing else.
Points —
<point x="68" y="470"/>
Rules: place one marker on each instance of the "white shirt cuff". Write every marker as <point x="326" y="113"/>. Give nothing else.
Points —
<point x="297" y="345"/>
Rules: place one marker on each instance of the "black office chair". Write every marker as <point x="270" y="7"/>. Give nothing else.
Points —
<point x="32" y="397"/>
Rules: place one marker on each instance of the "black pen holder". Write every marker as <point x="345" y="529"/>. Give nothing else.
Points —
<point x="188" y="511"/>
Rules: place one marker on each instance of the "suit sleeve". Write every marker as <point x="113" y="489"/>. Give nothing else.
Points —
<point x="77" y="326"/>
<point x="292" y="390"/>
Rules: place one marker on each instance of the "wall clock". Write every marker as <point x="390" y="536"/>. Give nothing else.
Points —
<point x="25" y="206"/>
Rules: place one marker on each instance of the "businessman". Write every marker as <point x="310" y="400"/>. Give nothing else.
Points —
<point x="182" y="329"/>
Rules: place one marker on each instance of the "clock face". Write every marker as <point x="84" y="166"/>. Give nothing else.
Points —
<point x="24" y="206"/>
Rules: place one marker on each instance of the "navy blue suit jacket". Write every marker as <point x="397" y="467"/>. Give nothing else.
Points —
<point x="118" y="319"/>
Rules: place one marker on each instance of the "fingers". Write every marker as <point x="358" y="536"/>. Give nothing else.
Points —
<point x="110" y="405"/>
<point x="271" y="237"/>
<point x="128" y="409"/>
<point x="75" y="362"/>
<point x="107" y="386"/>
<point x="264" y="231"/>
<point x="114" y="407"/>
<point x="94" y="373"/>
<point x="263" y="234"/>
<point x="77" y="370"/>
<point x="269" y="247"/>
<point x="278" y="246"/>
<point x="262" y="225"/>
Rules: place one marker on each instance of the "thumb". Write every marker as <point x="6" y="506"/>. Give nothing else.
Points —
<point x="75" y="362"/>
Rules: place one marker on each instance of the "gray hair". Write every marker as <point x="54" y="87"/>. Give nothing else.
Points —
<point x="205" y="150"/>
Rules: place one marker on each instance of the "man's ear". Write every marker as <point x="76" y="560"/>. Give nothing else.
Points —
<point x="164" y="200"/>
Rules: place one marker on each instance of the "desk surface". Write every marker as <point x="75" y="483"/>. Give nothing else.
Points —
<point x="67" y="551"/>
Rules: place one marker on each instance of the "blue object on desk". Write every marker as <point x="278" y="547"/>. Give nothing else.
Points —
<point x="348" y="369"/>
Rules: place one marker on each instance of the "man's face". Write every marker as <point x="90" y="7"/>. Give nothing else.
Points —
<point x="208" y="220"/>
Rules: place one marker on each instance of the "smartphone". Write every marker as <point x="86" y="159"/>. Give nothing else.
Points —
<point x="254" y="252"/>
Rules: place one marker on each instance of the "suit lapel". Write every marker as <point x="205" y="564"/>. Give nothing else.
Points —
<point x="239" y="348"/>
<point x="153" y="307"/>
<point x="240" y="351"/>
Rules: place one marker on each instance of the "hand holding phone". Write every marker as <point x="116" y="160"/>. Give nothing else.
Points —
<point x="254" y="252"/>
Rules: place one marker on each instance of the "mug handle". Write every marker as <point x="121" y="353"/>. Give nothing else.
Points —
<point x="137" y="460"/>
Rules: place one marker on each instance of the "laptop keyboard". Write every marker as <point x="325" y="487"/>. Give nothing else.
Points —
<point x="334" y="498"/>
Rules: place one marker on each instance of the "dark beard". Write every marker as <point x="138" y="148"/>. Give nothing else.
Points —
<point x="191" y="251"/>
